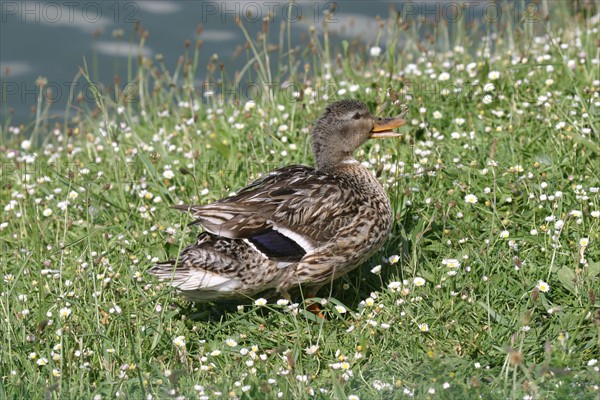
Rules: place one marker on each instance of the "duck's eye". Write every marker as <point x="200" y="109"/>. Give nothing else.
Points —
<point x="356" y="116"/>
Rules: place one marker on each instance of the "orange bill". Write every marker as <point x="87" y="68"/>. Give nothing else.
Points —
<point x="383" y="127"/>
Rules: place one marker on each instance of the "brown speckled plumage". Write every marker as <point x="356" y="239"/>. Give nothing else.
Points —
<point x="296" y="225"/>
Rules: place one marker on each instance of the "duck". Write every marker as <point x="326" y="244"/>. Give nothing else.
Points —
<point x="296" y="228"/>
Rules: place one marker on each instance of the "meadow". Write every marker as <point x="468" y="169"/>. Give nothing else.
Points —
<point x="487" y="288"/>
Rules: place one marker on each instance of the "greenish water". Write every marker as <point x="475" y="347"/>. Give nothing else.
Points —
<point x="51" y="39"/>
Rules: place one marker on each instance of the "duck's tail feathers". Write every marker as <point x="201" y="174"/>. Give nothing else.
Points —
<point x="195" y="283"/>
<point x="159" y="269"/>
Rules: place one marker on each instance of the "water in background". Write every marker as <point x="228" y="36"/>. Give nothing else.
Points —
<point x="51" y="39"/>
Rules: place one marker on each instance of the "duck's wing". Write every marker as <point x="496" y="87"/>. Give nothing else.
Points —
<point x="287" y="213"/>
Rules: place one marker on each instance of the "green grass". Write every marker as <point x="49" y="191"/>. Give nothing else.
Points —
<point x="74" y="293"/>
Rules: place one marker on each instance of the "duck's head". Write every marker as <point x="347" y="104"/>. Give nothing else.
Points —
<point x="343" y="127"/>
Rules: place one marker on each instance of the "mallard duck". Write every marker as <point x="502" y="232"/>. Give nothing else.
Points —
<point x="296" y="226"/>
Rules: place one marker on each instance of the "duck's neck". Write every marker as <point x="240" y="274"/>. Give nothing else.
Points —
<point x="347" y="167"/>
<point x="330" y="153"/>
<point x="342" y="161"/>
<point x="328" y="157"/>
